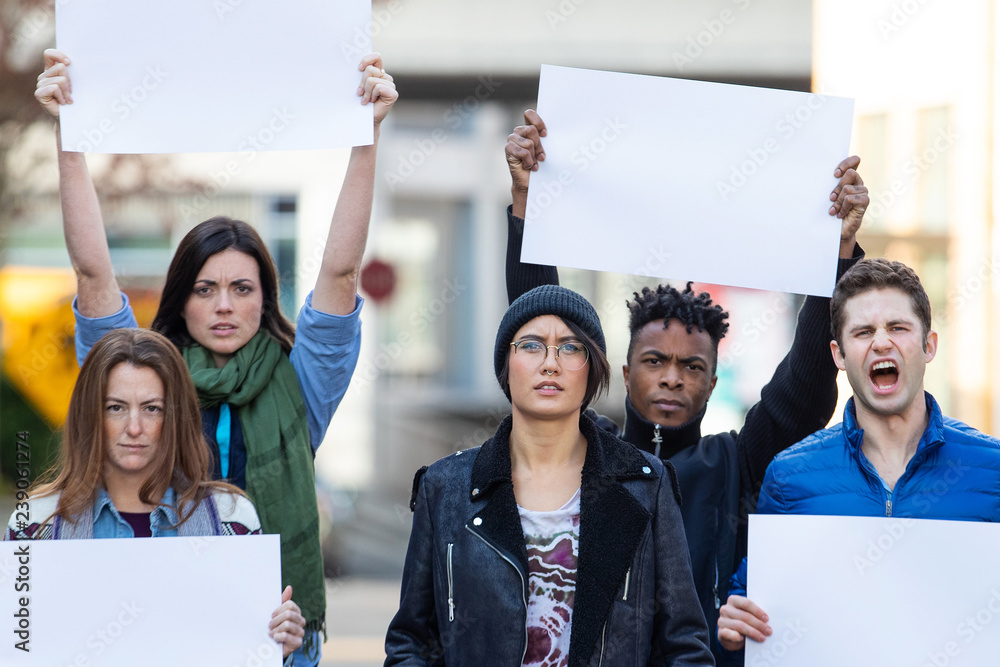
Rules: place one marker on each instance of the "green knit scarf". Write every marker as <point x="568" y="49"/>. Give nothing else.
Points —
<point x="259" y="382"/>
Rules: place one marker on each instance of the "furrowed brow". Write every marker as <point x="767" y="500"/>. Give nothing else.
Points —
<point x="697" y="357"/>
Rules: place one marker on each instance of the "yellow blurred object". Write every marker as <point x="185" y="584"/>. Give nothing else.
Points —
<point x="39" y="356"/>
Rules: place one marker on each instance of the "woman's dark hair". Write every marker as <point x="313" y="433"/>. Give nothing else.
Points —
<point x="209" y="238"/>
<point x="598" y="368"/>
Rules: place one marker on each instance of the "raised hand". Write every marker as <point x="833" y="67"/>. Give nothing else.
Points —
<point x="850" y="200"/>
<point x="54" y="87"/>
<point x="376" y="86"/>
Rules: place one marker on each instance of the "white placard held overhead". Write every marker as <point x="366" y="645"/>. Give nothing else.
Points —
<point x="214" y="75"/>
<point x="687" y="180"/>
<point x="875" y="591"/>
<point x="154" y="602"/>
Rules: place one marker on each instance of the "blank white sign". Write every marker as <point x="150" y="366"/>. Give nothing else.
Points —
<point x="687" y="180"/>
<point x="214" y="75"/>
<point x="153" y="602"/>
<point x="875" y="591"/>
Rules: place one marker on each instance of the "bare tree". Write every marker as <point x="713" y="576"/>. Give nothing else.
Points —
<point x="27" y="27"/>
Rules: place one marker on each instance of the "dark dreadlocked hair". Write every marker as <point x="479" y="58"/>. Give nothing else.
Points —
<point x="666" y="303"/>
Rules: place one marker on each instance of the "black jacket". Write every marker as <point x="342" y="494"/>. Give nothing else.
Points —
<point x="720" y="475"/>
<point x="465" y="580"/>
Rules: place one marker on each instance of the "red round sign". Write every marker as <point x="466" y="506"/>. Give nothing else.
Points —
<point x="378" y="280"/>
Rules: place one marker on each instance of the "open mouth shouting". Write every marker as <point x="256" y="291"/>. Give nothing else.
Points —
<point x="884" y="376"/>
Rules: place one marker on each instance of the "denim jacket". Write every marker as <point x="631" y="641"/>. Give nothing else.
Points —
<point x="464" y="590"/>
<point x="109" y="523"/>
<point x="218" y="514"/>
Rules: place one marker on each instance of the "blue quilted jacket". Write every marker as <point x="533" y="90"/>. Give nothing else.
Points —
<point x="955" y="474"/>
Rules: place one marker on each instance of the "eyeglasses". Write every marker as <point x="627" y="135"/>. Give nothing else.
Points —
<point x="572" y="356"/>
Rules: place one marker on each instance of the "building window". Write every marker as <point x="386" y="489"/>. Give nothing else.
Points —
<point x="422" y="326"/>
<point x="873" y="147"/>
<point x="931" y="161"/>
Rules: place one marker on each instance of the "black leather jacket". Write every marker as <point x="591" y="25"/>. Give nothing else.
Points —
<point x="464" y="586"/>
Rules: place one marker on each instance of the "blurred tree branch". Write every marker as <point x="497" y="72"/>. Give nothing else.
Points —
<point x="27" y="27"/>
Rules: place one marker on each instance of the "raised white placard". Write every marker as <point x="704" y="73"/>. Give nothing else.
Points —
<point x="730" y="183"/>
<point x="214" y="75"/>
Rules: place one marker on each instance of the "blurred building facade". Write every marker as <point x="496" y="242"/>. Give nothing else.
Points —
<point x="468" y="73"/>
<point x="924" y="78"/>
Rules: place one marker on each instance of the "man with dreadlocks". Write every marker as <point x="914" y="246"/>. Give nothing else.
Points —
<point x="670" y="375"/>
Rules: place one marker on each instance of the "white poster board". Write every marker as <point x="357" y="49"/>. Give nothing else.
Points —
<point x="153" y="602"/>
<point x="875" y="591"/>
<point x="730" y="184"/>
<point x="214" y="75"/>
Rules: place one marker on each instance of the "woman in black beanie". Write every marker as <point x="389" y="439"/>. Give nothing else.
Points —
<point x="555" y="543"/>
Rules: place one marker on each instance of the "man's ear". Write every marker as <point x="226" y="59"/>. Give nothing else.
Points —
<point x="625" y="376"/>
<point x="930" y="346"/>
<point x="838" y="356"/>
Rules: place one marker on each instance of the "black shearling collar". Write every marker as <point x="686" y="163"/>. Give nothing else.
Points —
<point x="603" y="458"/>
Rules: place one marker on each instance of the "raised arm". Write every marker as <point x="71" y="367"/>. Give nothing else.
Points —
<point x="524" y="152"/>
<point x="802" y="395"/>
<point x="345" y="245"/>
<point x="97" y="288"/>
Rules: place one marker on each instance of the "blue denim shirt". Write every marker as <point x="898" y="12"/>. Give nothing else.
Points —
<point x="109" y="523"/>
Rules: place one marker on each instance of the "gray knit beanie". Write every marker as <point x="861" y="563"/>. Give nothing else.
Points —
<point x="546" y="300"/>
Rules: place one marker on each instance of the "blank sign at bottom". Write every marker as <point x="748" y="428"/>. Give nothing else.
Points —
<point x="152" y="602"/>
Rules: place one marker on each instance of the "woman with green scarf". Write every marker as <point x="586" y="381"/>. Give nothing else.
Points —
<point x="267" y="389"/>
